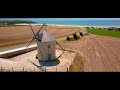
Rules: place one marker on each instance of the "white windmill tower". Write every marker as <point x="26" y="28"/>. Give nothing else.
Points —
<point x="45" y="45"/>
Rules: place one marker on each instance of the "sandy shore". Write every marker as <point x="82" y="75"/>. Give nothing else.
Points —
<point x="69" y="25"/>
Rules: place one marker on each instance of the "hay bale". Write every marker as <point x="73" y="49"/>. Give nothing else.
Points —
<point x="75" y="36"/>
<point x="81" y="34"/>
<point x="68" y="39"/>
<point x="78" y="64"/>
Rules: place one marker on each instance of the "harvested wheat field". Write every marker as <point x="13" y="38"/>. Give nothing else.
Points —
<point x="101" y="53"/>
<point x="20" y="34"/>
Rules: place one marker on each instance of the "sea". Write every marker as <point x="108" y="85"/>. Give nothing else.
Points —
<point x="73" y="21"/>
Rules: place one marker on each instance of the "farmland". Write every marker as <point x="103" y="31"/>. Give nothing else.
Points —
<point x="101" y="53"/>
<point x="21" y="35"/>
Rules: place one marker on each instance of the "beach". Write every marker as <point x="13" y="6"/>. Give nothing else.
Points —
<point x="99" y="26"/>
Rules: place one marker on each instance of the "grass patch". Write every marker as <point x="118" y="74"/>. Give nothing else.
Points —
<point x="103" y="32"/>
<point x="6" y="25"/>
<point x="10" y="23"/>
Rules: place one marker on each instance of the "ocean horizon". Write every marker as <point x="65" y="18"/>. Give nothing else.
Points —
<point x="72" y="21"/>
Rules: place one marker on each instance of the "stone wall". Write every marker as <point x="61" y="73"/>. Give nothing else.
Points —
<point x="15" y="52"/>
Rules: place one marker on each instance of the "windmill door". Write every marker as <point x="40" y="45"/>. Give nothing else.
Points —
<point x="49" y="56"/>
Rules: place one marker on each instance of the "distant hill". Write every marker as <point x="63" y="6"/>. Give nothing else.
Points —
<point x="13" y="22"/>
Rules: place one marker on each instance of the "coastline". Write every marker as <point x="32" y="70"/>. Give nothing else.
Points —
<point x="68" y="25"/>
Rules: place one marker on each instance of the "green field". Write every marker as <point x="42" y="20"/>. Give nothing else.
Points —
<point x="104" y="32"/>
<point x="13" y="22"/>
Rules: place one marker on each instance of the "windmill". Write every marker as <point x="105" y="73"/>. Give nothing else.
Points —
<point x="45" y="46"/>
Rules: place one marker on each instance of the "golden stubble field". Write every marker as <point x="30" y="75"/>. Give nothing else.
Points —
<point x="20" y="34"/>
<point x="101" y="53"/>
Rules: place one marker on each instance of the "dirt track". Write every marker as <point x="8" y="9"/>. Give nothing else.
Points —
<point x="101" y="53"/>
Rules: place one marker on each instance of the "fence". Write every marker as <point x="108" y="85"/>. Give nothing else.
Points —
<point x="34" y="69"/>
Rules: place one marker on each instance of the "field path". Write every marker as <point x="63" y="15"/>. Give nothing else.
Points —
<point x="101" y="53"/>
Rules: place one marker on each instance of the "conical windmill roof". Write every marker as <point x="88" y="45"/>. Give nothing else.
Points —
<point x="47" y="37"/>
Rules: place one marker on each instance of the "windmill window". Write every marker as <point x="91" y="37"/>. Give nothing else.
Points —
<point x="39" y="40"/>
<point x="40" y="37"/>
<point x="48" y="46"/>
